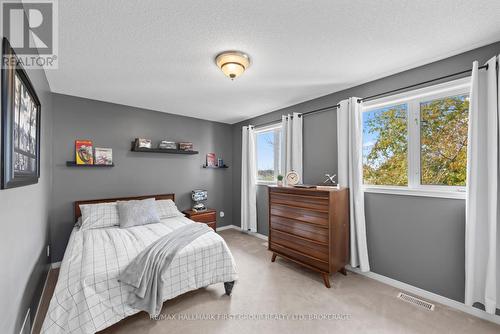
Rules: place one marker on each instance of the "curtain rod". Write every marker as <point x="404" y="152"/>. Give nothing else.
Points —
<point x="372" y="97"/>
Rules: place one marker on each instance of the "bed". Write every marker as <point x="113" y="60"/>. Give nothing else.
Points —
<point x="88" y="296"/>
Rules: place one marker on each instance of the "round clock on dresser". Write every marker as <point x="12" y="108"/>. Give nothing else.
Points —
<point x="292" y="178"/>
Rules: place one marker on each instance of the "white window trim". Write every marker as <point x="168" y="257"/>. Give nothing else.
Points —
<point x="258" y="130"/>
<point x="412" y="98"/>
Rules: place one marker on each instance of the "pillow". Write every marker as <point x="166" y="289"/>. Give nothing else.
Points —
<point x="167" y="209"/>
<point x="99" y="215"/>
<point x="134" y="213"/>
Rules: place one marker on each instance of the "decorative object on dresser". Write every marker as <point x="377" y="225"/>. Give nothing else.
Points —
<point x="310" y="227"/>
<point x="21" y="108"/>
<point x="208" y="216"/>
<point x="292" y="178"/>
<point x="198" y="196"/>
<point x="280" y="180"/>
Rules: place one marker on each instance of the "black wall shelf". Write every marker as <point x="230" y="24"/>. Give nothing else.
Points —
<point x="74" y="164"/>
<point x="160" y="150"/>
<point x="215" y="167"/>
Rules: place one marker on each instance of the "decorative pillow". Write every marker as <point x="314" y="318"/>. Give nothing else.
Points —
<point x="99" y="215"/>
<point x="167" y="209"/>
<point x="134" y="213"/>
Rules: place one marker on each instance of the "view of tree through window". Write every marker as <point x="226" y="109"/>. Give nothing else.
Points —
<point x="385" y="146"/>
<point x="443" y="141"/>
<point x="268" y="154"/>
<point x="432" y="131"/>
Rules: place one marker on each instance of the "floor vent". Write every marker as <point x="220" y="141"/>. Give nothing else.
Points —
<point x="416" y="301"/>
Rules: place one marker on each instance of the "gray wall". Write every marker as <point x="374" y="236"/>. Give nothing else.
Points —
<point x="24" y="226"/>
<point x="417" y="240"/>
<point x="115" y="126"/>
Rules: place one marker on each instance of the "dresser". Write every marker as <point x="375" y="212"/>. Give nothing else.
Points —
<point x="310" y="227"/>
<point x="209" y="217"/>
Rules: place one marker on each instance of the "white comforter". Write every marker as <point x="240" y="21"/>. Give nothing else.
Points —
<point x="88" y="296"/>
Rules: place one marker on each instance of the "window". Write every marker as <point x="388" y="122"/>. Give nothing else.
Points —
<point x="385" y="146"/>
<point x="416" y="142"/>
<point x="267" y="147"/>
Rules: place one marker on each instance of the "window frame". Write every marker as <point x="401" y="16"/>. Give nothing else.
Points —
<point x="257" y="131"/>
<point x="413" y="99"/>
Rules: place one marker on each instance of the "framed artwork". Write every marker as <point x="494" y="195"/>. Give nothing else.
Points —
<point x="20" y="143"/>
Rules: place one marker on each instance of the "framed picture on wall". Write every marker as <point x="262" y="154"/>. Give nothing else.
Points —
<point x="20" y="148"/>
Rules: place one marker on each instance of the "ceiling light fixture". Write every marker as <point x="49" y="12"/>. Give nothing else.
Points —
<point x="232" y="63"/>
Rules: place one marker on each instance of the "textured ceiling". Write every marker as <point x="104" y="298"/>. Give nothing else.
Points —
<point x="160" y="54"/>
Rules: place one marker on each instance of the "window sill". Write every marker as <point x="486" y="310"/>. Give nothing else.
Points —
<point x="453" y="194"/>
<point x="266" y="183"/>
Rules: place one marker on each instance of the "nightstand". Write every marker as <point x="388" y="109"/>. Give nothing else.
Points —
<point x="209" y="217"/>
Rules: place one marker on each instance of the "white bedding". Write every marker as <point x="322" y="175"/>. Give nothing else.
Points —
<point x="88" y="296"/>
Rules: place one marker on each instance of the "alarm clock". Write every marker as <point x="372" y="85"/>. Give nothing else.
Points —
<point x="292" y="178"/>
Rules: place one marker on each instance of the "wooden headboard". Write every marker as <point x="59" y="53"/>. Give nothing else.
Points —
<point x="78" y="213"/>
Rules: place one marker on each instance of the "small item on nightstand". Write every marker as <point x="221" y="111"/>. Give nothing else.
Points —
<point x="198" y="196"/>
<point x="220" y="162"/>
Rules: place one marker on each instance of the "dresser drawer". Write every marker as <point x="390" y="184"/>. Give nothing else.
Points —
<point x="318" y="217"/>
<point x="297" y="256"/>
<point x="304" y="246"/>
<point x="209" y="217"/>
<point x="301" y="201"/>
<point x="300" y="228"/>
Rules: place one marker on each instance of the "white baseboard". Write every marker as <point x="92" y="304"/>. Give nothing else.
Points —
<point x="234" y="227"/>
<point x="55" y="265"/>
<point x="227" y="227"/>
<point x="428" y="295"/>
<point x="41" y="298"/>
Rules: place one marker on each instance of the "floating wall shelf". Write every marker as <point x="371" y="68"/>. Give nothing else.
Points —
<point x="160" y="150"/>
<point x="74" y="164"/>
<point x="215" y="167"/>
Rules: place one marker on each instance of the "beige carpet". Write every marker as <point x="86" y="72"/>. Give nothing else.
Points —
<point x="354" y="304"/>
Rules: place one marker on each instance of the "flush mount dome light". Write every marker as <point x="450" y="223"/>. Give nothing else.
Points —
<point x="232" y="63"/>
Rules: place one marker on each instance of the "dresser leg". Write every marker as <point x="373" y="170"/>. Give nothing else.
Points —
<point x="326" y="280"/>
<point x="343" y="271"/>
<point x="228" y="286"/>
<point x="273" y="258"/>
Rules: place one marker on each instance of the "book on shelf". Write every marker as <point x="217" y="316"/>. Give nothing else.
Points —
<point x="103" y="156"/>
<point x="84" y="154"/>
<point x="211" y="160"/>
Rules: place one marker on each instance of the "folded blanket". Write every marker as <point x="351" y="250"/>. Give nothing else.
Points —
<point x="144" y="273"/>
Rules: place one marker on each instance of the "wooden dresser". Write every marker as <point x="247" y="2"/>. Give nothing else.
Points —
<point x="310" y="227"/>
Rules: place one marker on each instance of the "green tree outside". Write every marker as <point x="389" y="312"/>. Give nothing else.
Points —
<point x="443" y="143"/>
